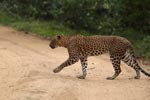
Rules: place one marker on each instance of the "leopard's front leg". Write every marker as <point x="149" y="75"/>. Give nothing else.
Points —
<point x="84" y="65"/>
<point x="69" y="61"/>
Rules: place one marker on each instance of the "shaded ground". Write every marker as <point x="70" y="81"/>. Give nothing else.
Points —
<point x="26" y="64"/>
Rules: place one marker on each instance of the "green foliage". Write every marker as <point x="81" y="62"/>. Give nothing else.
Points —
<point x="7" y="18"/>
<point x="96" y="16"/>
<point x="145" y="47"/>
<point x="81" y="14"/>
<point x="78" y="14"/>
<point x="136" y="15"/>
<point x="131" y="34"/>
<point x="39" y="9"/>
<point x="42" y="28"/>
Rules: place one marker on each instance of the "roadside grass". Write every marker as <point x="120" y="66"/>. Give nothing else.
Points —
<point x="42" y="28"/>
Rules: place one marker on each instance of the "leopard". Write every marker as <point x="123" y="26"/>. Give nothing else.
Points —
<point x="81" y="47"/>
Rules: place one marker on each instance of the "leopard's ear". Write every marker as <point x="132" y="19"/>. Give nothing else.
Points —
<point x="58" y="37"/>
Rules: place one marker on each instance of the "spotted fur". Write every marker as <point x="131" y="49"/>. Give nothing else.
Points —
<point x="81" y="47"/>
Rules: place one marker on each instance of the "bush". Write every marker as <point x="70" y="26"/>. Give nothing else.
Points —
<point x="38" y="9"/>
<point x="145" y="47"/>
<point x="79" y="14"/>
<point x="96" y="16"/>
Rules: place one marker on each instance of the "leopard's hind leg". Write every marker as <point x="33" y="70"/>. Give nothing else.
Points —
<point x="116" y="65"/>
<point x="130" y="60"/>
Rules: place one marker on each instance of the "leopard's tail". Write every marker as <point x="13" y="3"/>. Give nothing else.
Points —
<point x="143" y="71"/>
<point x="130" y="60"/>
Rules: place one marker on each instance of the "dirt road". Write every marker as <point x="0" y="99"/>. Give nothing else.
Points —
<point x="26" y="64"/>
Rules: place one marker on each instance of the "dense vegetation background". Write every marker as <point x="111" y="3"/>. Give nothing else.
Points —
<point x="127" y="18"/>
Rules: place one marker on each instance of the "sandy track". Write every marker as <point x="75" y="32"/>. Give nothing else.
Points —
<point x="26" y="64"/>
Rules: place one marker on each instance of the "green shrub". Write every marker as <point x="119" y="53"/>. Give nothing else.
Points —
<point x="79" y="14"/>
<point x="96" y="16"/>
<point x="145" y="47"/>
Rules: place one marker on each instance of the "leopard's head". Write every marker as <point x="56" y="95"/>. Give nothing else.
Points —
<point x="57" y="41"/>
